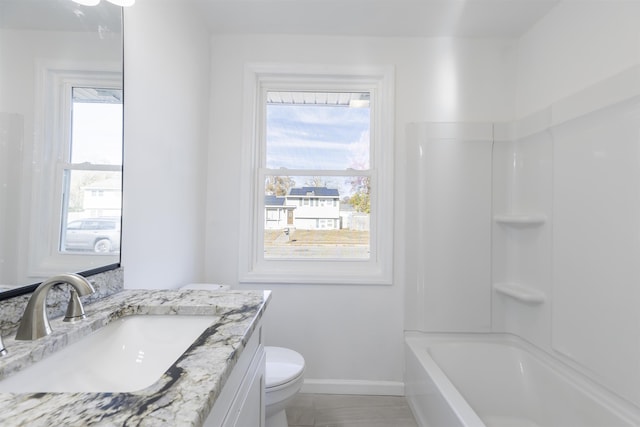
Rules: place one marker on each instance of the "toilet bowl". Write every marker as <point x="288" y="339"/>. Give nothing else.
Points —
<point x="284" y="376"/>
<point x="284" y="373"/>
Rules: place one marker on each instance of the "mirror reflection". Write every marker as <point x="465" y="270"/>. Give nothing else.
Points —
<point x="61" y="107"/>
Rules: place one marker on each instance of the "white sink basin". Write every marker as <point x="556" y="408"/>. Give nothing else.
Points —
<point x="128" y="354"/>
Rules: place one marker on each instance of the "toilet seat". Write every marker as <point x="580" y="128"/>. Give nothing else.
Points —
<point x="283" y="367"/>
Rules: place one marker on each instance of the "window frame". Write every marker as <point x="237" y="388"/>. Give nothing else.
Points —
<point x="260" y="78"/>
<point x="53" y="94"/>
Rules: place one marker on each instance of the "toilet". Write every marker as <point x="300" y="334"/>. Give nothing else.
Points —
<point x="206" y="287"/>
<point x="284" y="373"/>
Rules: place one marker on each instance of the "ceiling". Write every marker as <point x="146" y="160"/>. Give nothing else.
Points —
<point x="388" y="18"/>
<point x="385" y="18"/>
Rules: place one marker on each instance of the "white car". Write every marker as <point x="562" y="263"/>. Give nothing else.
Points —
<point x="101" y="235"/>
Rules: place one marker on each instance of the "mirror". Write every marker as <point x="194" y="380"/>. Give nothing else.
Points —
<point x="60" y="140"/>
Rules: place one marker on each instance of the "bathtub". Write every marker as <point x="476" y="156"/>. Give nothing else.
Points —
<point x="496" y="380"/>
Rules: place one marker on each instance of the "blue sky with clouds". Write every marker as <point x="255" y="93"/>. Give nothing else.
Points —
<point x="317" y="137"/>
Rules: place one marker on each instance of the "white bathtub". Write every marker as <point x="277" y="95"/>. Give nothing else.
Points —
<point x="497" y="380"/>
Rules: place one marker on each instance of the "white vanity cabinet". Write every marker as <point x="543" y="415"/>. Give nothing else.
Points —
<point x="242" y="401"/>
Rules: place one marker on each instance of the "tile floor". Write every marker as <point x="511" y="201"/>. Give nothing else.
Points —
<point x="330" y="410"/>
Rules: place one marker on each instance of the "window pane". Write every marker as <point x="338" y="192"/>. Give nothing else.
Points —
<point x="317" y="130"/>
<point x="96" y="126"/>
<point x="309" y="217"/>
<point x="91" y="212"/>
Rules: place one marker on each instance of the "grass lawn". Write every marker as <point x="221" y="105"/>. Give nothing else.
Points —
<point x="318" y="237"/>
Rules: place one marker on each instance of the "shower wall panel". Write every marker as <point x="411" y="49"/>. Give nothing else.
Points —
<point x="448" y="218"/>
<point x="596" y="240"/>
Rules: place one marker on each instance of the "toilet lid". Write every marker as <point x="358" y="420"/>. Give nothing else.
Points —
<point x="283" y="365"/>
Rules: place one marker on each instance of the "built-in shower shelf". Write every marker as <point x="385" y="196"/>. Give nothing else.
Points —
<point x="520" y="219"/>
<point x="520" y="292"/>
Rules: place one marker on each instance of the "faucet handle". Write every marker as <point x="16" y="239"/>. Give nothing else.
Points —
<point x="75" y="310"/>
<point x="3" y="349"/>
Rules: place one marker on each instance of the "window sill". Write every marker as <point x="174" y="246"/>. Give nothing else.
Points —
<point x="309" y="278"/>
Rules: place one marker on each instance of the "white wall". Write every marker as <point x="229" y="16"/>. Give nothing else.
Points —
<point x="166" y="103"/>
<point x="576" y="45"/>
<point x="346" y="332"/>
<point x="574" y="69"/>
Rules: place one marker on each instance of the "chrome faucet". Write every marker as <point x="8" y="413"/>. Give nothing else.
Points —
<point x="35" y="322"/>
<point x="3" y="350"/>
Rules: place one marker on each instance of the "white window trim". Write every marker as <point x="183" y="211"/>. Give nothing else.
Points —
<point x="253" y="268"/>
<point x="54" y="78"/>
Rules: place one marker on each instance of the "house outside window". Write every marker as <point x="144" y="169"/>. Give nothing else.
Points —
<point x="277" y="213"/>
<point x="317" y="203"/>
<point x="318" y="140"/>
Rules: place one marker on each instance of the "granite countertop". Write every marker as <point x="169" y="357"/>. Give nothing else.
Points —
<point x="185" y="393"/>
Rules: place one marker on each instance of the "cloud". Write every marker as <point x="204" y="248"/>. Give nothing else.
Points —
<point x="305" y="137"/>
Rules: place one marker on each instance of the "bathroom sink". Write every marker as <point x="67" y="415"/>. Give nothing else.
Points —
<point x="128" y="354"/>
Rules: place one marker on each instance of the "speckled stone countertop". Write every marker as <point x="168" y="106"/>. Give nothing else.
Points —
<point x="185" y="393"/>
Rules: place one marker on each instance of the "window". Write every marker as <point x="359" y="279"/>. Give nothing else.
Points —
<point x="91" y="173"/>
<point x="77" y="191"/>
<point x="322" y="144"/>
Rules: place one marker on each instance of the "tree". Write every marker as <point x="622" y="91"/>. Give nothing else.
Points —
<point x="278" y="185"/>
<point x="316" y="181"/>
<point x="361" y="200"/>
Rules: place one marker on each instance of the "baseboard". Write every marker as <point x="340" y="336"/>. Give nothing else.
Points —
<point x="370" y="388"/>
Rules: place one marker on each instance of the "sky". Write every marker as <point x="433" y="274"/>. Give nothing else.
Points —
<point x="97" y="133"/>
<point x="318" y="137"/>
<point x="298" y="137"/>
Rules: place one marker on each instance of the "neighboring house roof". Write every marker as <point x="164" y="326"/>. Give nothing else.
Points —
<point x="314" y="191"/>
<point x="273" y="201"/>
